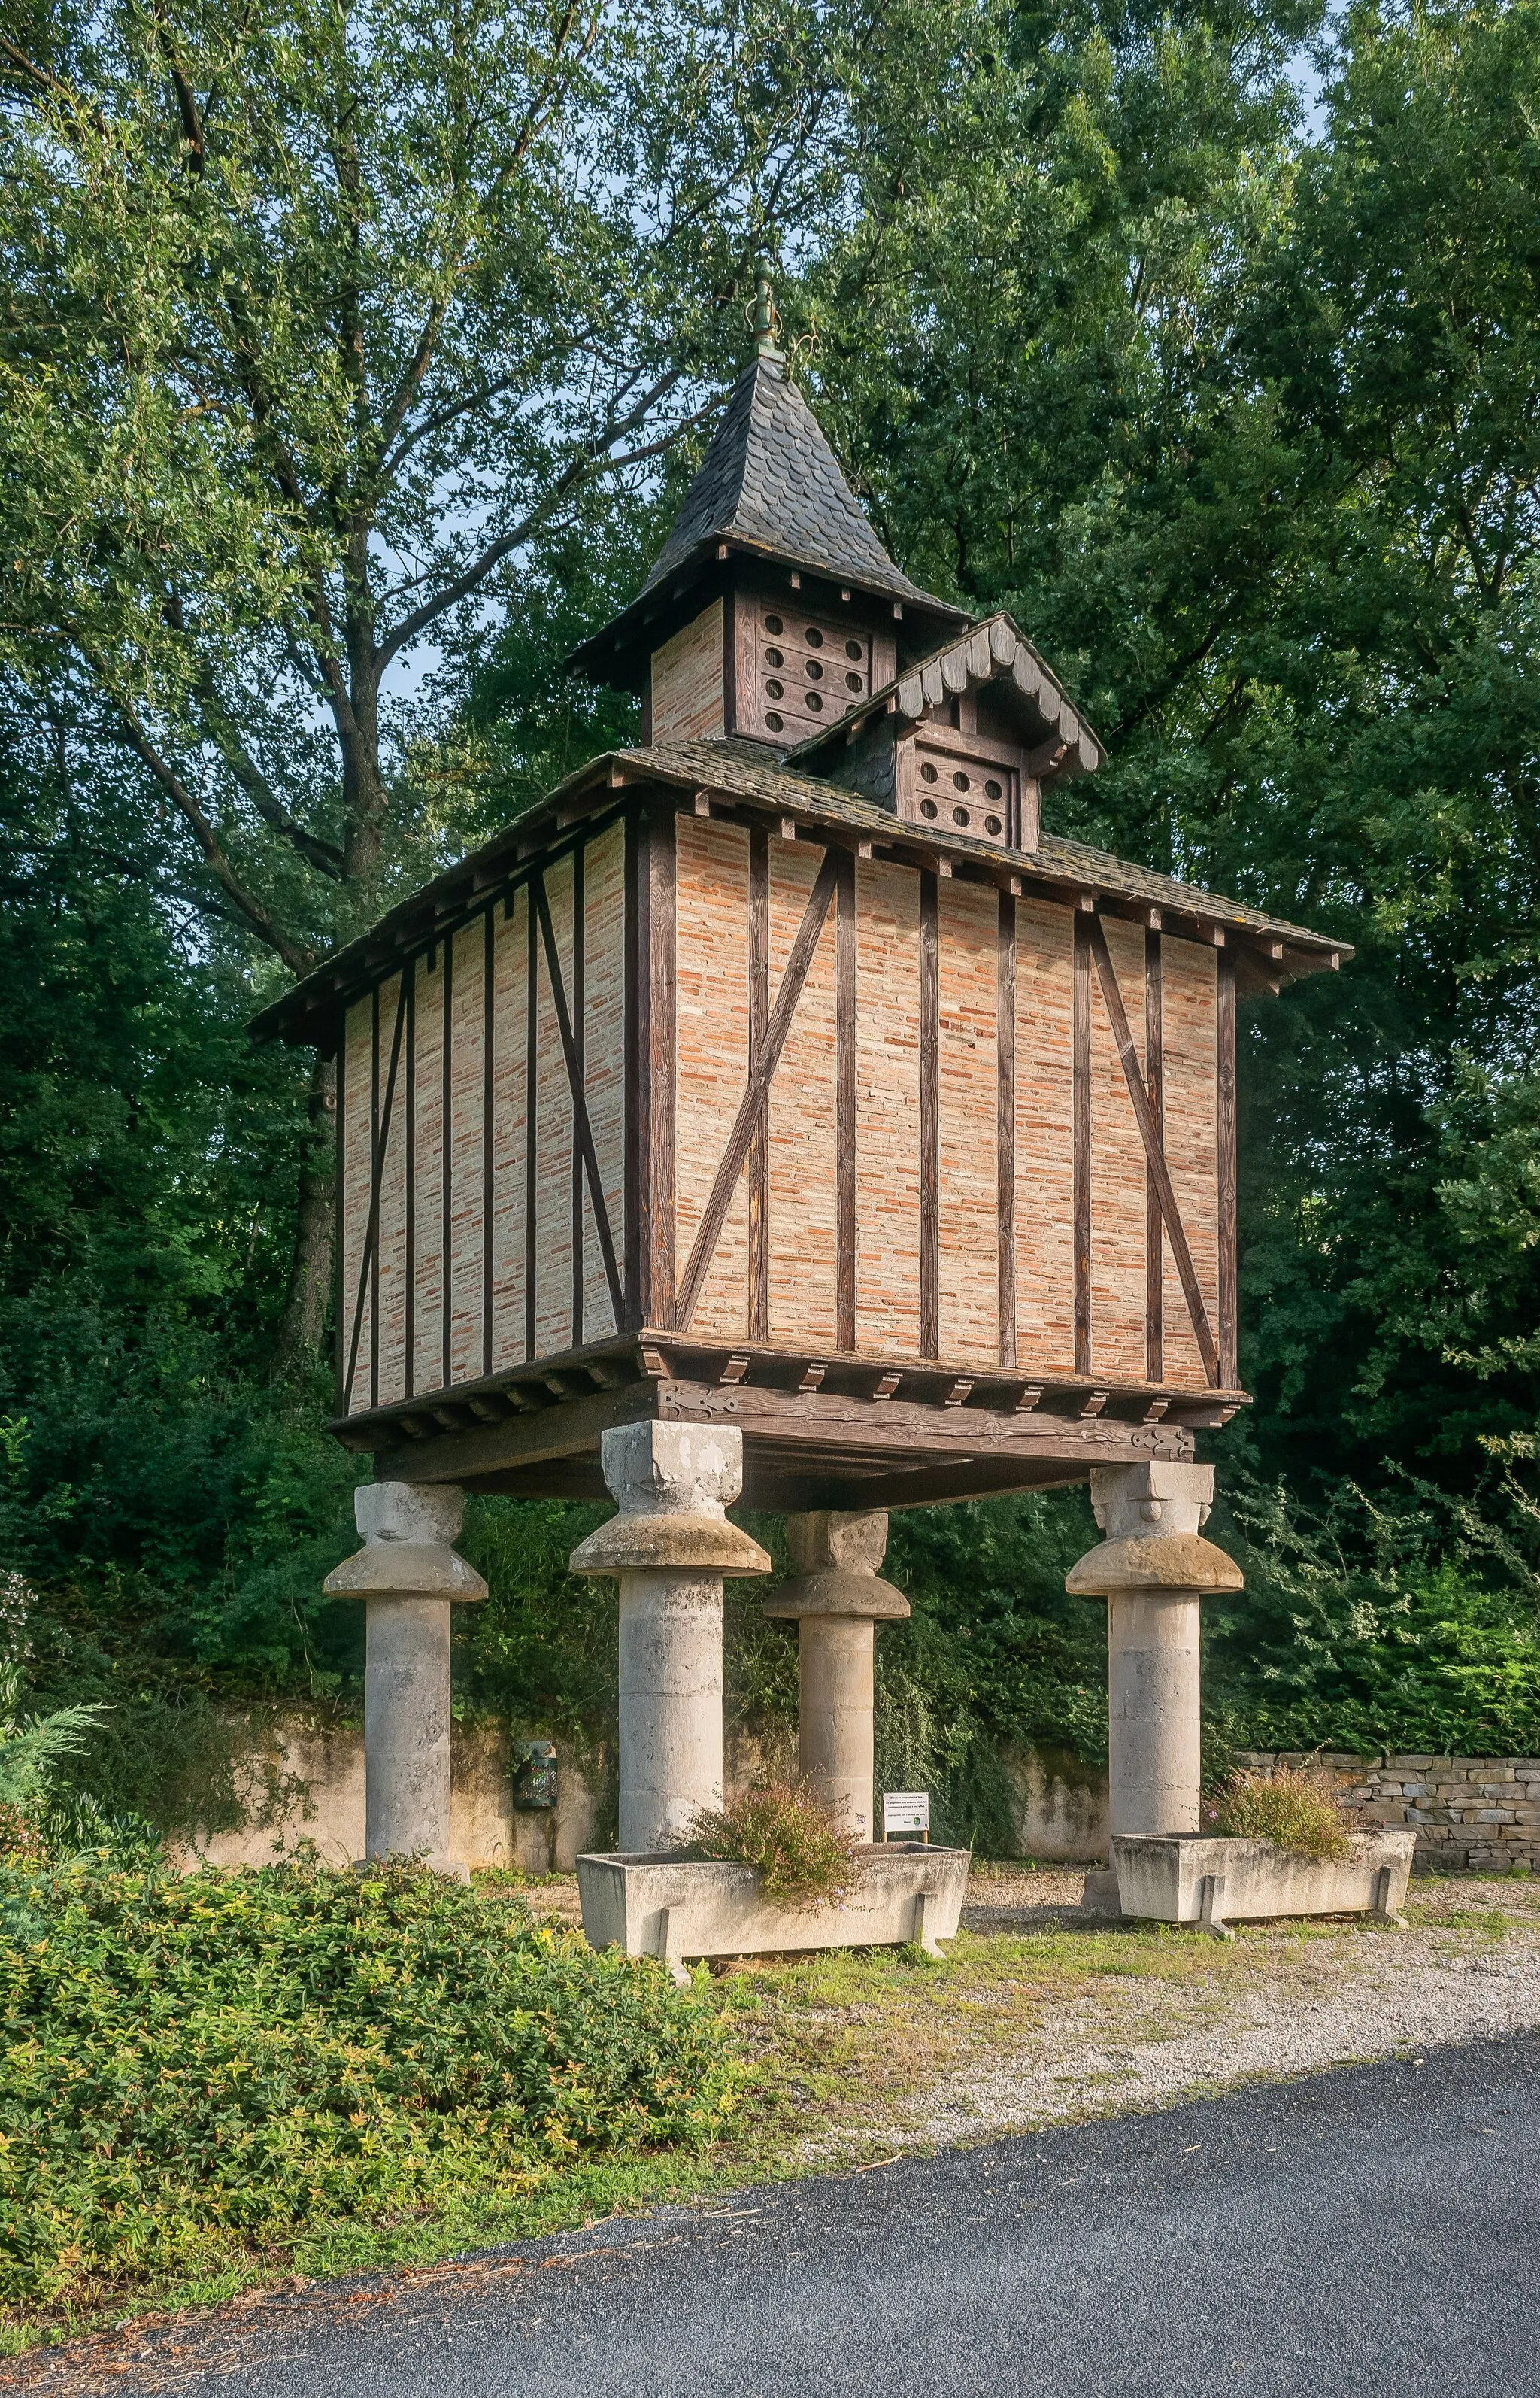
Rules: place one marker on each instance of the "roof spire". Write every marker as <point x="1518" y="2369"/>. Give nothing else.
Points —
<point x="766" y="322"/>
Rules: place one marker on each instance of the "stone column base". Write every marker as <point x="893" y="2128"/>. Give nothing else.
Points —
<point x="668" y="1547"/>
<point x="837" y="1601"/>
<point x="409" y="1576"/>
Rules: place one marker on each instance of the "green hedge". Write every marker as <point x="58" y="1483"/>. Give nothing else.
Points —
<point x="211" y="2065"/>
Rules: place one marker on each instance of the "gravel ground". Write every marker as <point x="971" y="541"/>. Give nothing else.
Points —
<point x="1469" y="1969"/>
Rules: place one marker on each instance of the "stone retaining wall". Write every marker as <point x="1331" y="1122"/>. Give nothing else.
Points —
<point x="1476" y="1812"/>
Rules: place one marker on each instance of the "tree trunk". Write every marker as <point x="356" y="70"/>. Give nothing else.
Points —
<point x="302" y="1324"/>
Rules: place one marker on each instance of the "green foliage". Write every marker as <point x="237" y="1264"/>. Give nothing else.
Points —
<point x="33" y="1747"/>
<point x="1396" y="1622"/>
<point x="209" y="2066"/>
<point x="801" y="1853"/>
<point x="1291" y="1807"/>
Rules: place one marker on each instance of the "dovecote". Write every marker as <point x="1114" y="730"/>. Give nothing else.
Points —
<point x="789" y="1070"/>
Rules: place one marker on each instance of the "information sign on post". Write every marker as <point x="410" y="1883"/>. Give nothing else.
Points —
<point x="906" y="1810"/>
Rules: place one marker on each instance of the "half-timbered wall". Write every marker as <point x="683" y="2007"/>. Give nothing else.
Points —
<point x="949" y="1160"/>
<point x="873" y="1110"/>
<point x="480" y="1210"/>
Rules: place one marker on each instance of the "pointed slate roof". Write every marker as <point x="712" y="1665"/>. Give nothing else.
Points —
<point x="769" y="479"/>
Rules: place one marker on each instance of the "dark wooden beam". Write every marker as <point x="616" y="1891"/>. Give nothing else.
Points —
<point x="1229" y="1343"/>
<point x="567" y="1429"/>
<point x="930" y="1117"/>
<point x="1154" y="1154"/>
<point x="1005" y="1142"/>
<point x="731" y="1164"/>
<point x="577" y="1069"/>
<point x="758" y="1157"/>
<point x="409" y="1326"/>
<point x="489" y="1062"/>
<point x="845" y="1110"/>
<point x="662" y="975"/>
<point x="583" y="1131"/>
<point x="1081" y="1168"/>
<point x="447" y="1185"/>
<point x="1155" y="1085"/>
<point x="531" y="1119"/>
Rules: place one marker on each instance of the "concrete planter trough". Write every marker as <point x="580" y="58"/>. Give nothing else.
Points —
<point x="676" y="1909"/>
<point x="1187" y="1878"/>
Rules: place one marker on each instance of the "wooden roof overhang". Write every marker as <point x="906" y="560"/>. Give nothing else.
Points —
<point x="621" y="655"/>
<point x="729" y="777"/>
<point x="818" y="1431"/>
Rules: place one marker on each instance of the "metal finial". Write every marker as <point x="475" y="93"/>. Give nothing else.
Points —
<point x="766" y="324"/>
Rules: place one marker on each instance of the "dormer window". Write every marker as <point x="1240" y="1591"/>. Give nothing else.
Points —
<point x="970" y="784"/>
<point x="805" y="670"/>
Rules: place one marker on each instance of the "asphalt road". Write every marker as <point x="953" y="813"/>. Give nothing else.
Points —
<point x="1371" y="2233"/>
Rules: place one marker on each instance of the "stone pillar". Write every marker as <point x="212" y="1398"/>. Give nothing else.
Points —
<point x="408" y="1574"/>
<point x="1153" y="1570"/>
<point x="668" y="1547"/>
<point x="838" y="1601"/>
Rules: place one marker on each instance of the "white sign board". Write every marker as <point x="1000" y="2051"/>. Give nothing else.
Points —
<point x="905" y="1811"/>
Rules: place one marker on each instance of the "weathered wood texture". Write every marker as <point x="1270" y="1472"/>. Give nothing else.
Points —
<point x="778" y="1097"/>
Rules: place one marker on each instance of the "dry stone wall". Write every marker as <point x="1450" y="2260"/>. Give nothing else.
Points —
<point x="1476" y="1813"/>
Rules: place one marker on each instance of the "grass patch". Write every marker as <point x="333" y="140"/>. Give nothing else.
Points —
<point x="825" y="2061"/>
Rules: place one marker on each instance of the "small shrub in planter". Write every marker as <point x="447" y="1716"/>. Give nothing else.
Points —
<point x="1290" y="1806"/>
<point x="802" y="1853"/>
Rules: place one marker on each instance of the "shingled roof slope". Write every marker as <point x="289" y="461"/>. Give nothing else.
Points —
<point x="743" y="770"/>
<point x="769" y="479"/>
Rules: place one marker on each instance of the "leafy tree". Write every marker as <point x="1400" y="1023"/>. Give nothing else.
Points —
<point x="318" y="320"/>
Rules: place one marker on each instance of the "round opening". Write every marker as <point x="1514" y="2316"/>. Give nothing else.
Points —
<point x="927" y="809"/>
<point x="815" y="672"/>
<point x="813" y="638"/>
<point x="960" y="782"/>
<point x="854" y="683"/>
<point x="774" y="658"/>
<point x="992" y="825"/>
<point x="773" y="689"/>
<point x="928" y="773"/>
<point x="773" y="722"/>
<point x="960" y="816"/>
<point x="774" y="624"/>
<point x="852" y="649"/>
<point x="993" y="791"/>
<point x="815" y="701"/>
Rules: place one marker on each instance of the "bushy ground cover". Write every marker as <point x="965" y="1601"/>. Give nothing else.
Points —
<point x="200" y="2070"/>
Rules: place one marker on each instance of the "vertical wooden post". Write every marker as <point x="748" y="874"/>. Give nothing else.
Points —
<point x="1005" y="1169"/>
<point x="578" y="1012"/>
<point x="376" y="1168"/>
<point x="489" y="993"/>
<point x="446" y="1328"/>
<point x="654" y="1077"/>
<point x="338" y="1265"/>
<point x="409" y="1379"/>
<point x="1229" y="1333"/>
<point x="930" y="1117"/>
<point x="1082" y="1167"/>
<point x="531" y="1126"/>
<point x="1155" y="1253"/>
<point x="758" y="1157"/>
<point x="844" y="1139"/>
